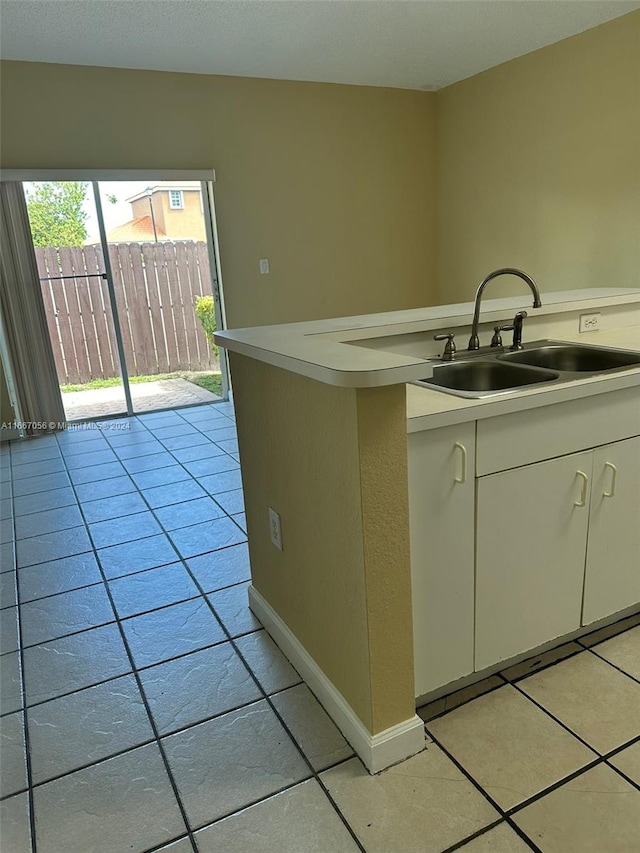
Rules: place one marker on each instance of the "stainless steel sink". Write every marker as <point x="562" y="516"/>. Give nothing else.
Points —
<point x="574" y="358"/>
<point x="481" y="378"/>
<point x="490" y="372"/>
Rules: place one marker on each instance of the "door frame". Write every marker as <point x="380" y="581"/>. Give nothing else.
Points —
<point x="206" y="178"/>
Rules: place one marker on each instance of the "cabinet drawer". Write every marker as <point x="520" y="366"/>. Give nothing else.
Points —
<point x="521" y="438"/>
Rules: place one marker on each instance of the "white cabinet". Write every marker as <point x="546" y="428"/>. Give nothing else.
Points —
<point x="441" y="508"/>
<point x="530" y="554"/>
<point x="557" y="547"/>
<point x="612" y="576"/>
<point x="541" y="537"/>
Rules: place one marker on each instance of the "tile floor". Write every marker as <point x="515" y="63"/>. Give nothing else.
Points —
<point x="145" y="709"/>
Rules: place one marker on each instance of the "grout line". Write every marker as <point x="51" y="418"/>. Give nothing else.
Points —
<point x="479" y="834"/>
<point x="23" y="686"/>
<point x="115" y="578"/>
<point x="617" y="751"/>
<point x="558" y="721"/>
<point x="556" y="785"/>
<point x="461" y="704"/>
<point x="502" y="812"/>
<point x="136" y="675"/>
<point x="614" y="665"/>
<point x="542" y="668"/>
<point x="266" y="697"/>
<point x="120" y="675"/>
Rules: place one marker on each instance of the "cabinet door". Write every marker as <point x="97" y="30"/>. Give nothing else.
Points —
<point x="441" y="512"/>
<point x="531" y="534"/>
<point x="612" y="578"/>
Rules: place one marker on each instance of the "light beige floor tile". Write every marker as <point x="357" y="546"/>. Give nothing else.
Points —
<point x="182" y="846"/>
<point x="510" y="747"/>
<point x="422" y="805"/>
<point x="598" y="812"/>
<point x="87" y="726"/>
<point x="270" y="666"/>
<point x="593" y="699"/>
<point x="13" y="759"/>
<point x="454" y="700"/>
<point x="629" y="762"/>
<point x="230" y="762"/>
<point x="501" y="839"/>
<point x="125" y="803"/>
<point x="623" y="651"/>
<point x="300" y="820"/>
<point x="316" y="733"/>
<point x="531" y="665"/>
<point x="15" y="830"/>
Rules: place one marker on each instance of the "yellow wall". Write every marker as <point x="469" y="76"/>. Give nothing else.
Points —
<point x="334" y="184"/>
<point x="332" y="462"/>
<point x="538" y="167"/>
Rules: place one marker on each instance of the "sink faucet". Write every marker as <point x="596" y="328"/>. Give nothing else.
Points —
<point x="474" y="341"/>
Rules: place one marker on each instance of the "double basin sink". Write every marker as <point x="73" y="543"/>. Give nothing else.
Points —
<point x="485" y="374"/>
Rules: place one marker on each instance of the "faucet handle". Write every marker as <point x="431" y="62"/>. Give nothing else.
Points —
<point x="450" y="347"/>
<point x="496" y="340"/>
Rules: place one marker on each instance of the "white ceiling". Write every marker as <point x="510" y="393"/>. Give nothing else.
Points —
<point x="412" y="44"/>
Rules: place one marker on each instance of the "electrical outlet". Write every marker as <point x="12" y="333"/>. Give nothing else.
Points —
<point x="275" y="530"/>
<point x="590" y="322"/>
<point x="264" y="266"/>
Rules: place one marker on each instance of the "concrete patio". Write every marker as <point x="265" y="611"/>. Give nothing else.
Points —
<point x="146" y="397"/>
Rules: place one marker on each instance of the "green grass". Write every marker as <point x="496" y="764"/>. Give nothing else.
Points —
<point x="210" y="381"/>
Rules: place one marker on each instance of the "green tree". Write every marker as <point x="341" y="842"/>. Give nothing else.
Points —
<point x="56" y="213"/>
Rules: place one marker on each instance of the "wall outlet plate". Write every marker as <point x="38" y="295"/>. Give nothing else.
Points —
<point x="264" y="266"/>
<point x="275" y="529"/>
<point x="590" y="322"/>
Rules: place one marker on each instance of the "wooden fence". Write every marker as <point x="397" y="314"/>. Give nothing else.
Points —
<point x="155" y="285"/>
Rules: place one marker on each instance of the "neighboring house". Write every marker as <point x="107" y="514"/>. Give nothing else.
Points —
<point x="167" y="210"/>
<point x="177" y="214"/>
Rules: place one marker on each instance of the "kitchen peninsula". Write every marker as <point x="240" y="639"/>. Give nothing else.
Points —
<point x="326" y="424"/>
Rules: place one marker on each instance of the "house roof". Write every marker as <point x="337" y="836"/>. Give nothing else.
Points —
<point x="139" y="230"/>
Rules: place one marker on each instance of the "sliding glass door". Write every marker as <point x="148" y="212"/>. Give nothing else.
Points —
<point x="128" y="279"/>
<point x="77" y="301"/>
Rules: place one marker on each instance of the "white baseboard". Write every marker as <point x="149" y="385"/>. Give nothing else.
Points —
<point x="376" y="751"/>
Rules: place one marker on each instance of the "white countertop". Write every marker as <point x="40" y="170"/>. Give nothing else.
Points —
<point x="349" y="351"/>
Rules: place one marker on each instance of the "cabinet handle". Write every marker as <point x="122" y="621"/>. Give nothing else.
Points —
<point x="463" y="466"/>
<point x="583" y="491"/>
<point x="614" y="473"/>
